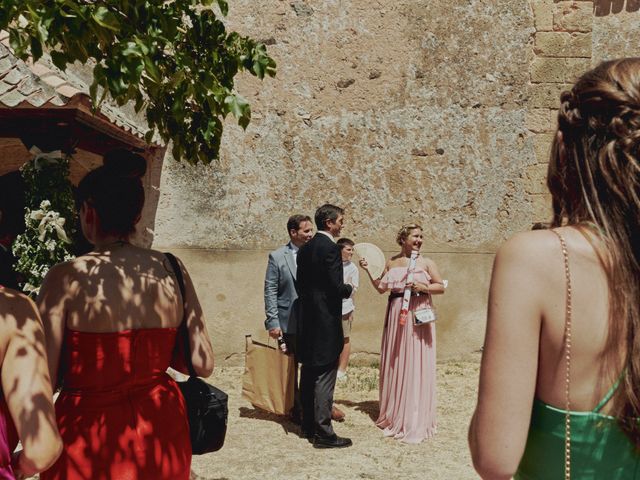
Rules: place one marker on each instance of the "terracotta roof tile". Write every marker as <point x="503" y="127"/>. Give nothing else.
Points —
<point x="5" y="65"/>
<point x="58" y="101"/>
<point x="4" y="87"/>
<point x="39" y="70"/>
<point x="13" y="77"/>
<point x="28" y="86"/>
<point x="67" y="91"/>
<point x="39" y="98"/>
<point x="52" y="80"/>
<point x="12" y="98"/>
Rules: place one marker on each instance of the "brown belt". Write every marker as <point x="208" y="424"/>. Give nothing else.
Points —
<point x="394" y="295"/>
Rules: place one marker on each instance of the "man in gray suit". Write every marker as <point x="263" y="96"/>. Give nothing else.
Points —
<point x="280" y="291"/>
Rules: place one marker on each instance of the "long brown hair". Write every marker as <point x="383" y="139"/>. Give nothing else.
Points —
<point x="594" y="179"/>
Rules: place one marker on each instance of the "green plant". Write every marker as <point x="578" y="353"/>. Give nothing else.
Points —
<point x="49" y="219"/>
<point x="173" y="58"/>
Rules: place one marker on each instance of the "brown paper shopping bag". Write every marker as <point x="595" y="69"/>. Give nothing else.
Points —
<point x="268" y="378"/>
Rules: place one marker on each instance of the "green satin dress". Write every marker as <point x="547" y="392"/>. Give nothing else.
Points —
<point x="599" y="448"/>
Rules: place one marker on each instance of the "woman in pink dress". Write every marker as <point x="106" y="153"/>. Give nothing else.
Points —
<point x="408" y="352"/>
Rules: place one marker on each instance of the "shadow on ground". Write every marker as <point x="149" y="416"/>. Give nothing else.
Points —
<point x="287" y="425"/>
<point x="369" y="407"/>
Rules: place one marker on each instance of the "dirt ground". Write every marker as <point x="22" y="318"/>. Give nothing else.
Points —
<point x="261" y="445"/>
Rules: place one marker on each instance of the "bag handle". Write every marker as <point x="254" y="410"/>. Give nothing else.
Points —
<point x="183" y="332"/>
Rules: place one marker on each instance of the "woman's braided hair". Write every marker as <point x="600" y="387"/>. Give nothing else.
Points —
<point x="404" y="231"/>
<point x="594" y="179"/>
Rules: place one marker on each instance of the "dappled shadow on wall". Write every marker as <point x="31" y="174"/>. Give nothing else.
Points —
<point x="602" y="8"/>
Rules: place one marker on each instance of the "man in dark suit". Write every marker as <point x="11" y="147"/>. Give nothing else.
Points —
<point x="320" y="339"/>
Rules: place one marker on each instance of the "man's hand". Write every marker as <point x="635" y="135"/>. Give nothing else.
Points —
<point x="275" y="332"/>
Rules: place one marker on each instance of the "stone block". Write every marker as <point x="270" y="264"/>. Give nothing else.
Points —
<point x="558" y="70"/>
<point x="576" y="67"/>
<point x="542" y="15"/>
<point x="548" y="70"/>
<point x="562" y="44"/>
<point x="542" y="147"/>
<point x="573" y="16"/>
<point x="540" y="120"/>
<point x="546" y="95"/>
<point x="536" y="180"/>
<point x="541" y="207"/>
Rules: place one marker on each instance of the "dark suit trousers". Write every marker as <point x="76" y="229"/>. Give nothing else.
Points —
<point x="316" y="388"/>
<point x="290" y="341"/>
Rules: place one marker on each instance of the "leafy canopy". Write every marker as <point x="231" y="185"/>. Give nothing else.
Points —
<point x="174" y="58"/>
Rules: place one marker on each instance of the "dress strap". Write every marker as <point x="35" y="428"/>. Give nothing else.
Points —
<point x="609" y="394"/>
<point x="567" y="348"/>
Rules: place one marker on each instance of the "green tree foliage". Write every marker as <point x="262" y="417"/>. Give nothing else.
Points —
<point x="173" y="58"/>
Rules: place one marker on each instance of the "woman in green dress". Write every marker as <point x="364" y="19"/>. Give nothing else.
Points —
<point x="559" y="392"/>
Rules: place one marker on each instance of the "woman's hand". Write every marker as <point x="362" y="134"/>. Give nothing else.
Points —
<point x="364" y="264"/>
<point x="418" y="287"/>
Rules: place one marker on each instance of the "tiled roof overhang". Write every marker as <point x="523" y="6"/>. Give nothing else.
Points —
<point x="37" y="102"/>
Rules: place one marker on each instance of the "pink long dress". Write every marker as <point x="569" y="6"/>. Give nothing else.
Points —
<point x="407" y="366"/>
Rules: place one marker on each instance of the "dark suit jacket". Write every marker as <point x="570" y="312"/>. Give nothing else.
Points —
<point x="321" y="289"/>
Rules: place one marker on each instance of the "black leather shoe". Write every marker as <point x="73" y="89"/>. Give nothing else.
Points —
<point x="331" y="442"/>
<point x="309" y="436"/>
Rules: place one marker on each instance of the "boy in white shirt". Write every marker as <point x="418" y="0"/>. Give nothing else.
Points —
<point x="352" y="277"/>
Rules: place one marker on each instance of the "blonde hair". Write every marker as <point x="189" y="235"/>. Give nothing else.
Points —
<point x="403" y="233"/>
<point x="594" y="179"/>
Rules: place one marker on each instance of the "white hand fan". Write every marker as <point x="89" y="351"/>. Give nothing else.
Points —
<point x="373" y="255"/>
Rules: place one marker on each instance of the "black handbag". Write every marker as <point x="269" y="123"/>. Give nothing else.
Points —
<point x="207" y="407"/>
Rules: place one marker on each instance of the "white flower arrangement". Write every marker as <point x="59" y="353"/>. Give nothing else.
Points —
<point x="46" y="240"/>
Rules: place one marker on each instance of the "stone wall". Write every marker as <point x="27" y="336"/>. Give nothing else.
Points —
<point x="435" y="111"/>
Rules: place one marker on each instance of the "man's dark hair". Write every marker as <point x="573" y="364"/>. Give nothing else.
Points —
<point x="344" y="241"/>
<point x="295" y="220"/>
<point x="325" y="213"/>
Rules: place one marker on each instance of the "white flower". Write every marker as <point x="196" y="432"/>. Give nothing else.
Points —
<point x="45" y="204"/>
<point x="54" y="220"/>
<point x="36" y="215"/>
<point x="28" y="288"/>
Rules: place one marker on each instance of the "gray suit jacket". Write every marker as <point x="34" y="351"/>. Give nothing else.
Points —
<point x="280" y="290"/>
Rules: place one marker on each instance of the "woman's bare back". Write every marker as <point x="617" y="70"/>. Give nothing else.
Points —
<point x="121" y="288"/>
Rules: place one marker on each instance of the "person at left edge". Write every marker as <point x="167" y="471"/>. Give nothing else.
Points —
<point x="280" y="292"/>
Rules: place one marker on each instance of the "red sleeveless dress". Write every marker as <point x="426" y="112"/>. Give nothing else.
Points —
<point x="120" y="415"/>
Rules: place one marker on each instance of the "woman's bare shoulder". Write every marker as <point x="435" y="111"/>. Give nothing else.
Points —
<point x="16" y="309"/>
<point x="398" y="260"/>
<point x="535" y="250"/>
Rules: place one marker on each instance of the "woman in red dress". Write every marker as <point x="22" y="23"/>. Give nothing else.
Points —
<point x="111" y="318"/>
